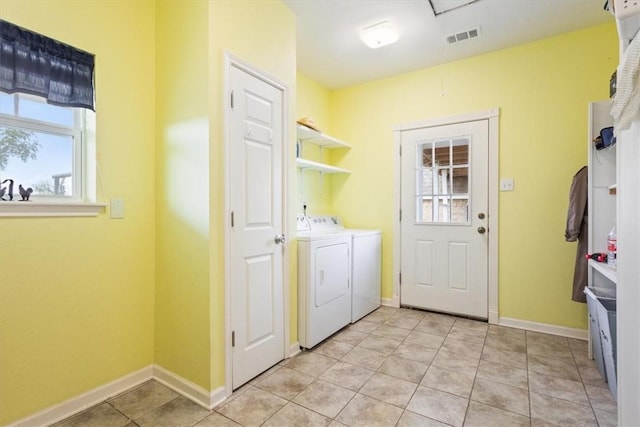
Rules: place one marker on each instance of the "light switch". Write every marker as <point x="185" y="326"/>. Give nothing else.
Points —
<point x="117" y="208"/>
<point x="506" y="184"/>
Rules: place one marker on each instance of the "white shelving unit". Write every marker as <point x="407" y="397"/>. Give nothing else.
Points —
<point x="602" y="268"/>
<point x="319" y="167"/>
<point x="602" y="279"/>
<point x="308" y="135"/>
<point x="602" y="202"/>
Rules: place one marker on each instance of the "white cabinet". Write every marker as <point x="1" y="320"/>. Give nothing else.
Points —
<point x="307" y="135"/>
<point x="628" y="276"/>
<point x="628" y="226"/>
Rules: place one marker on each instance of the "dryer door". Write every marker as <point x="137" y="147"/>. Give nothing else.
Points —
<point x="332" y="272"/>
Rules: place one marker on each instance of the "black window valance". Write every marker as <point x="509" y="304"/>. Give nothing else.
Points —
<point x="35" y="64"/>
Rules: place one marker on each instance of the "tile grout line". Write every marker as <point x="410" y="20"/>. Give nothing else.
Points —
<point x="130" y="420"/>
<point x="526" y="358"/>
<point x="384" y="342"/>
<point x="475" y="377"/>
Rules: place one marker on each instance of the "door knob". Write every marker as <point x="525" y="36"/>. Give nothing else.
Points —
<point x="280" y="238"/>
<point x="482" y="230"/>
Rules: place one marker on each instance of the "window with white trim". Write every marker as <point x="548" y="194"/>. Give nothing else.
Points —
<point x="44" y="150"/>
<point x="47" y="126"/>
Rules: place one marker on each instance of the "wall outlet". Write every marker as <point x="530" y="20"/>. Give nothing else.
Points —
<point x="117" y="208"/>
<point x="506" y="184"/>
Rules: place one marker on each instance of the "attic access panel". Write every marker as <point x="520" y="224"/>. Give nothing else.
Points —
<point x="443" y="6"/>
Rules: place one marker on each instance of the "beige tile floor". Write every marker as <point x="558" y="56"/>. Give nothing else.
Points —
<point x="396" y="367"/>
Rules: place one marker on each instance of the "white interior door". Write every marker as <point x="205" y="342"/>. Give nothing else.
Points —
<point x="444" y="223"/>
<point x="256" y="276"/>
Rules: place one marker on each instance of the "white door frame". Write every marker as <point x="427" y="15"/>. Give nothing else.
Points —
<point x="493" y="117"/>
<point x="232" y="61"/>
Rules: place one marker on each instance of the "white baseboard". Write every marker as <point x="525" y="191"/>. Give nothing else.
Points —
<point x="294" y="349"/>
<point x="194" y="392"/>
<point x="68" y="408"/>
<point x="391" y="302"/>
<point x="494" y="319"/>
<point x="83" y="401"/>
<point x="563" y="331"/>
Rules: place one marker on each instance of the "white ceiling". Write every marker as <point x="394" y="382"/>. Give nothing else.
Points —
<point x="330" y="50"/>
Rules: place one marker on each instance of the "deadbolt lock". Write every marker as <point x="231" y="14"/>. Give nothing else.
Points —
<point x="481" y="215"/>
<point x="482" y="230"/>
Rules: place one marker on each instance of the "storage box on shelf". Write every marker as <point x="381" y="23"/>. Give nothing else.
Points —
<point x="308" y="135"/>
<point x="594" y="298"/>
<point x="607" y="328"/>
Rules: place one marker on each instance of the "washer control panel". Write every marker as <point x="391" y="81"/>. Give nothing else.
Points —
<point x="318" y="222"/>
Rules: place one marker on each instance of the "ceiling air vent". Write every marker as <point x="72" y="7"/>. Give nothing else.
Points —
<point x="464" y="35"/>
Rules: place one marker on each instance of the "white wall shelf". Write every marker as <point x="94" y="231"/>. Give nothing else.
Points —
<point x="319" y="167"/>
<point x="306" y="134"/>
<point x="604" y="269"/>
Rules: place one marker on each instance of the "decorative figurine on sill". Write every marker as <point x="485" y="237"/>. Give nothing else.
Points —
<point x="25" y="193"/>
<point x="3" y="190"/>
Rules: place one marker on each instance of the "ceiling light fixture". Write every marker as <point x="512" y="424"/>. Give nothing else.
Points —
<point x="378" y="35"/>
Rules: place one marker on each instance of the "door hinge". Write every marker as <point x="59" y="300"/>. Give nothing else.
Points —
<point x="400" y="278"/>
<point x="233" y="338"/>
<point x="400" y="214"/>
<point x="400" y="150"/>
<point x="231" y="99"/>
<point x="232" y="220"/>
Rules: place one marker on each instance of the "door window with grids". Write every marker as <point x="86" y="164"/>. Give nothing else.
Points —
<point x="442" y="181"/>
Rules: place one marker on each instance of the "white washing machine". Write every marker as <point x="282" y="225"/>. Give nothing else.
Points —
<point x="366" y="272"/>
<point x="336" y="266"/>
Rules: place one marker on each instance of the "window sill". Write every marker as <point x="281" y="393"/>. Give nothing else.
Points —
<point x="35" y="209"/>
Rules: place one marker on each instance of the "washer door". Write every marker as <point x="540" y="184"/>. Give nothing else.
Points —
<point x="332" y="264"/>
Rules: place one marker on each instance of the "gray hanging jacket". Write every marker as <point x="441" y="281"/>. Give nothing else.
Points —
<point x="577" y="225"/>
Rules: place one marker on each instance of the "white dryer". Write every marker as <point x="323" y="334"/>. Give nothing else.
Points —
<point x="324" y="278"/>
<point x="339" y="276"/>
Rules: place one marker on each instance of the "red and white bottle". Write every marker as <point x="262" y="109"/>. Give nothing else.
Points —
<point x="612" y="248"/>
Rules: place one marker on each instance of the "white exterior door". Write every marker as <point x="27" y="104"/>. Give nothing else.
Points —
<point x="444" y="224"/>
<point x="256" y="188"/>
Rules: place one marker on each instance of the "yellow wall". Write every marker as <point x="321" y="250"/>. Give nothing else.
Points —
<point x="182" y="312"/>
<point x="77" y="294"/>
<point x="234" y="28"/>
<point x="191" y="190"/>
<point x="81" y="299"/>
<point x="314" y="189"/>
<point x="542" y="90"/>
<point x="96" y="299"/>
